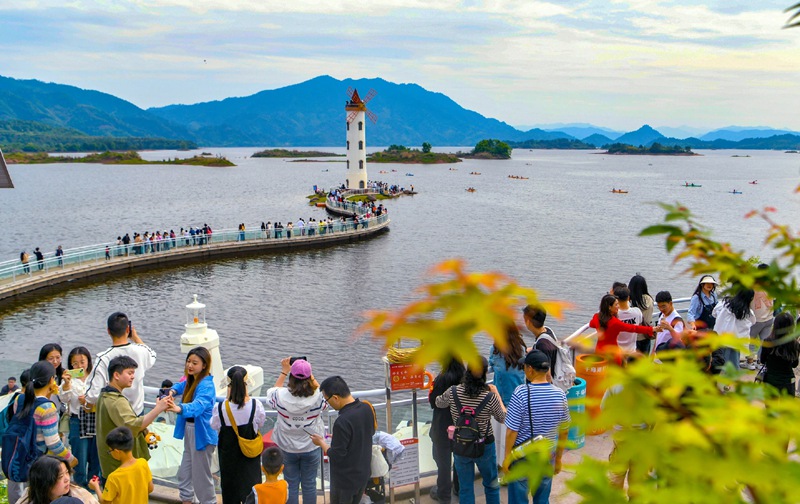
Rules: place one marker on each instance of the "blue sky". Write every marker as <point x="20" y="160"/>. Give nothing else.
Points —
<point x="615" y="63"/>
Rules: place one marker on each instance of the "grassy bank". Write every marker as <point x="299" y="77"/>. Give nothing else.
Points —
<point x="130" y="157"/>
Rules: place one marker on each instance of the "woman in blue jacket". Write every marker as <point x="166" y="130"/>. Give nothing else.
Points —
<point x="193" y="425"/>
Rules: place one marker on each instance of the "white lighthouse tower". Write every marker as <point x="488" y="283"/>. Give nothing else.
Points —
<point x="357" y="113"/>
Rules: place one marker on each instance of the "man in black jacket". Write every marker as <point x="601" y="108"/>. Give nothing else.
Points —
<point x="350" y="451"/>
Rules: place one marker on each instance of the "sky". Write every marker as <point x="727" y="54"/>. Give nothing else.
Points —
<point x="612" y="63"/>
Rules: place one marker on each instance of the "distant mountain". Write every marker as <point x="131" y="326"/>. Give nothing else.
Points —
<point x="90" y="112"/>
<point x="312" y="113"/>
<point x="597" y="140"/>
<point x="680" y="131"/>
<point x="540" y="134"/>
<point x="557" y="143"/>
<point x="577" y="130"/>
<point x="776" y="142"/>
<point x="643" y="136"/>
<point x="736" y="134"/>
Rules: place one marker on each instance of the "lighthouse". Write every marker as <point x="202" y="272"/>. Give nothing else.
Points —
<point x="356" y="124"/>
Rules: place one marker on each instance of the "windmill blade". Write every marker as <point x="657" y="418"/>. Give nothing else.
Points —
<point x="5" y="178"/>
<point x="350" y="91"/>
<point x="351" y="116"/>
<point x="370" y="95"/>
<point x="372" y="116"/>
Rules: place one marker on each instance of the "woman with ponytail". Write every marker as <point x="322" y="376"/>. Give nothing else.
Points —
<point x="238" y="473"/>
<point x="299" y="405"/>
<point x="193" y="425"/>
<point x="37" y="402"/>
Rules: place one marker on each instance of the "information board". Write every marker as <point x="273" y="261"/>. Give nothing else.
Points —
<point x="406" y="470"/>
<point x="405" y="377"/>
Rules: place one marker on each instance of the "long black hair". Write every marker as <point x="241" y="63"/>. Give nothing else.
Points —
<point x="739" y="303"/>
<point x="204" y="355"/>
<point x="452" y="374"/>
<point x="238" y="387"/>
<point x="43" y="356"/>
<point x="699" y="289"/>
<point x="638" y="287"/>
<point x="604" y="313"/>
<point x="43" y="477"/>
<point x="474" y="385"/>
<point x="41" y="374"/>
<point x="783" y="326"/>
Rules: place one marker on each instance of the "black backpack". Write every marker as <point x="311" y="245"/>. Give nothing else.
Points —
<point x="467" y="438"/>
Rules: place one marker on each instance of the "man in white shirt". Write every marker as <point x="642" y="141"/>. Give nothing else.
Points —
<point x="630" y="315"/>
<point x="120" y="329"/>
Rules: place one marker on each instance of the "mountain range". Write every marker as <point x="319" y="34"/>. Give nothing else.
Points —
<point x="311" y="113"/>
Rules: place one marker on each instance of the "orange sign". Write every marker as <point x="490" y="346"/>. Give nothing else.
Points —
<point x="405" y="377"/>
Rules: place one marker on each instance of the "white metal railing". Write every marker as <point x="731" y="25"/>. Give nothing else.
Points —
<point x="16" y="271"/>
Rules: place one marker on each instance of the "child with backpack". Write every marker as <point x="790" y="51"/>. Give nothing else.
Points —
<point x="472" y="404"/>
<point x="33" y="430"/>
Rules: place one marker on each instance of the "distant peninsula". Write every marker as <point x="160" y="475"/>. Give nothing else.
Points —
<point x="130" y="157"/>
<point x="654" y="150"/>
<point x="488" y="149"/>
<point x="404" y="155"/>
<point x="286" y="153"/>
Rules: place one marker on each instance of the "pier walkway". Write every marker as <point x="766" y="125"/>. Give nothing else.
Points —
<point x="110" y="258"/>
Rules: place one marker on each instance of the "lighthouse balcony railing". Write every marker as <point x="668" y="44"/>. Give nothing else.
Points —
<point x="15" y="271"/>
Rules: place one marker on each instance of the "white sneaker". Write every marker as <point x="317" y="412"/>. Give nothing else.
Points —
<point x="753" y="366"/>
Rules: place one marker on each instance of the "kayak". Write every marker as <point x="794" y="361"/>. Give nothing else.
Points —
<point x="735" y="192"/>
<point x="692" y="185"/>
<point x="619" y="191"/>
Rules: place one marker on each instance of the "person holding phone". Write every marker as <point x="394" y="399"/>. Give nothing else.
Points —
<point x="82" y="435"/>
<point x="299" y="406"/>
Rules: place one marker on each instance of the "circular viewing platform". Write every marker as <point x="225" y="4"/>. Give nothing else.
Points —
<point x="96" y="261"/>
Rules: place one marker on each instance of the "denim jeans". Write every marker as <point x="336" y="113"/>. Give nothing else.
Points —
<point x="518" y="492"/>
<point x="300" y="471"/>
<point x="487" y="466"/>
<point x="85" y="450"/>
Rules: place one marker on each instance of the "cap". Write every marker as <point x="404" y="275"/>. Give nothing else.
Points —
<point x="41" y="373"/>
<point x="537" y="360"/>
<point x="708" y="279"/>
<point x="301" y="369"/>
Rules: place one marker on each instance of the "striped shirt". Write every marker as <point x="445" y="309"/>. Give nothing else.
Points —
<point x="494" y="408"/>
<point x="548" y="407"/>
<point x="47" y="438"/>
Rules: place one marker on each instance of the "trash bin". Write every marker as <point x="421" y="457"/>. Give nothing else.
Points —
<point x="576" y="396"/>
<point x="592" y="368"/>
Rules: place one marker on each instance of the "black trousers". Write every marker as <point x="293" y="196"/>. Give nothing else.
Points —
<point x="442" y="455"/>
<point x="346" y="497"/>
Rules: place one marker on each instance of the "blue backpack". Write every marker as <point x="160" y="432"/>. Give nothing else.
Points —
<point x="7" y="413"/>
<point x="19" y="444"/>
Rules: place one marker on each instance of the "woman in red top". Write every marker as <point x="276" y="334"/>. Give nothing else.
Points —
<point x="609" y="326"/>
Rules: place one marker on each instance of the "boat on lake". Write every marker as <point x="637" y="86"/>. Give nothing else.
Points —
<point x="735" y="192"/>
<point x="687" y="184"/>
<point x="619" y="191"/>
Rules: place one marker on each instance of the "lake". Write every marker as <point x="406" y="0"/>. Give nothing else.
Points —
<point x="562" y="232"/>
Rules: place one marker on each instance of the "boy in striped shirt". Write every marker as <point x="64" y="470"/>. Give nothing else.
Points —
<point x="538" y="408"/>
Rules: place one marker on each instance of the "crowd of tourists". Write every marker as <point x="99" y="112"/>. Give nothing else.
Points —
<point x="90" y="428"/>
<point x="151" y="242"/>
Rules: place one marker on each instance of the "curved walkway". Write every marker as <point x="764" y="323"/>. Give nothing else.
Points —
<point x="92" y="261"/>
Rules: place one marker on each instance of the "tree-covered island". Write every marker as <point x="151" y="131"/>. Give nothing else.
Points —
<point x="286" y="153"/>
<point x="488" y="149"/>
<point x="402" y="154"/>
<point x="654" y="150"/>
<point x="129" y="158"/>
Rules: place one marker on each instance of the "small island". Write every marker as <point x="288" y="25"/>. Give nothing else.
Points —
<point x="404" y="155"/>
<point x="488" y="149"/>
<point x="286" y="153"/>
<point x="108" y="157"/>
<point x="654" y="150"/>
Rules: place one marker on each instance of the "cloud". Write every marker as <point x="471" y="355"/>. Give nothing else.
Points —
<point x="509" y="59"/>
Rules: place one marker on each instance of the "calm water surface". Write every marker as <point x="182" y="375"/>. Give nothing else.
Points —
<point x="561" y="231"/>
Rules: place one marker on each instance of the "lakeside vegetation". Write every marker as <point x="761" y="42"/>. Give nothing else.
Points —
<point x="656" y="149"/>
<point x="286" y="153"/>
<point x="488" y="149"/>
<point x="558" y="143"/>
<point x="107" y="157"/>
<point x="402" y="154"/>
<point x="31" y="136"/>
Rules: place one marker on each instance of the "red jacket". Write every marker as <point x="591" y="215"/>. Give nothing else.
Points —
<point x="607" y="339"/>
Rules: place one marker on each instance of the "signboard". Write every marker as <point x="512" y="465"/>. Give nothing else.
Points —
<point x="405" y="377"/>
<point x="405" y="471"/>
